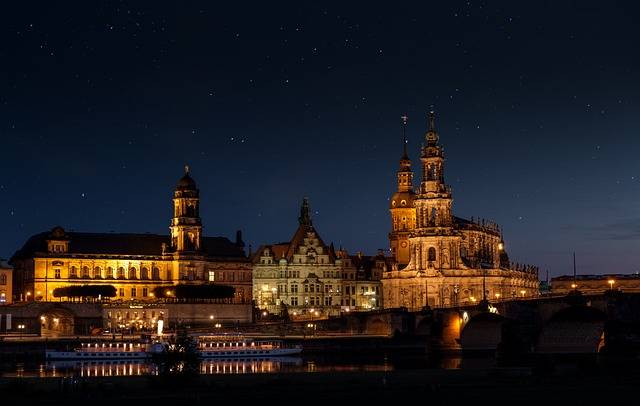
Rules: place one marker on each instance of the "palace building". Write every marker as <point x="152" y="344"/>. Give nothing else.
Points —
<point x="444" y="260"/>
<point x="6" y="283"/>
<point x="134" y="264"/>
<point x="313" y="280"/>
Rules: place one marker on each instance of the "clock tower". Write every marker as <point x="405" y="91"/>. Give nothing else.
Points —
<point x="403" y="213"/>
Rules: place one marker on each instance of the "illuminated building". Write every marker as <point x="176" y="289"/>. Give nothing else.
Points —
<point x="134" y="264"/>
<point x="311" y="278"/>
<point x="596" y="284"/>
<point x="443" y="260"/>
<point x="6" y="283"/>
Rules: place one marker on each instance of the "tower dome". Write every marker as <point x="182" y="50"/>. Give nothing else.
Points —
<point x="186" y="182"/>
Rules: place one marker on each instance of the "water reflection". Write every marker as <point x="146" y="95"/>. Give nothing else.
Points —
<point x="306" y="364"/>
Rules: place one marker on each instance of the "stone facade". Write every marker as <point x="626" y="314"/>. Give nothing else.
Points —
<point x="595" y="284"/>
<point x="135" y="264"/>
<point x="6" y="283"/>
<point x="451" y="261"/>
<point x="312" y="279"/>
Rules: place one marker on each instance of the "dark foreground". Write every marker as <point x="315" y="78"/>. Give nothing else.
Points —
<point x="570" y="383"/>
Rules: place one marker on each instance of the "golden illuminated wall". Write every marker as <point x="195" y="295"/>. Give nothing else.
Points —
<point x="134" y="279"/>
<point x="6" y="286"/>
<point x="403" y="289"/>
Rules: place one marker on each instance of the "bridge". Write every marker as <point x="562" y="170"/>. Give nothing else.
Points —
<point x="573" y="324"/>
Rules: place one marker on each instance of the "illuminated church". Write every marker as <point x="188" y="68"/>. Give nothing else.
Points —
<point x="135" y="264"/>
<point x="441" y="259"/>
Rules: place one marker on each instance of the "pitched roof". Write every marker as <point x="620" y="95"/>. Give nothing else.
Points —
<point x="124" y="244"/>
<point x="287" y="249"/>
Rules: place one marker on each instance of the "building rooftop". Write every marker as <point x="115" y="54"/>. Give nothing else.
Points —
<point x="123" y="244"/>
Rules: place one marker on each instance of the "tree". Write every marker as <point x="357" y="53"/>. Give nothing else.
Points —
<point x="93" y="291"/>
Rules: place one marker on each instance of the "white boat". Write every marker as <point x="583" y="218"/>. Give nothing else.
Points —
<point x="240" y="347"/>
<point x="106" y="351"/>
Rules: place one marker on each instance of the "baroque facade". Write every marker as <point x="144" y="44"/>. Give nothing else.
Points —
<point x="312" y="279"/>
<point x="443" y="260"/>
<point x="6" y="283"/>
<point x="134" y="264"/>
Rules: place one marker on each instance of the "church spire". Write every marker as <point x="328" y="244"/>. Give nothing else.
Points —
<point x="305" y="217"/>
<point x="432" y="134"/>
<point x="404" y="118"/>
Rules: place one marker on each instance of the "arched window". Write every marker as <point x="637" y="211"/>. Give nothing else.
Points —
<point x="169" y="275"/>
<point x="85" y="272"/>
<point x="431" y="254"/>
<point x="3" y="279"/>
<point x="132" y="273"/>
<point x="73" y="272"/>
<point x="155" y="274"/>
<point x="144" y="273"/>
<point x="121" y="273"/>
<point x="97" y="273"/>
<point x="109" y="274"/>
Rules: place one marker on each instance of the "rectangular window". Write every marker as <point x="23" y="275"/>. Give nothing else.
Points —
<point x="312" y="287"/>
<point x="212" y="276"/>
<point x="121" y="292"/>
<point x="145" y="292"/>
<point x="327" y="301"/>
<point x="306" y="288"/>
<point x="133" y="292"/>
<point x="57" y="273"/>
<point x="294" y="288"/>
<point x="294" y="301"/>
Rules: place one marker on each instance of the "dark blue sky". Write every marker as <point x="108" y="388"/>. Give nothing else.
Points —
<point x="102" y="103"/>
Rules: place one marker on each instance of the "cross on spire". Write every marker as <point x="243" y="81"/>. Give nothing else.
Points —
<point x="404" y="136"/>
<point x="432" y="120"/>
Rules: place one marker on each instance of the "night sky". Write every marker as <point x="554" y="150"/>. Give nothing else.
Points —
<point x="103" y="103"/>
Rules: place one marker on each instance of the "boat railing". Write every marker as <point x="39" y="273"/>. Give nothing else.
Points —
<point x="112" y="347"/>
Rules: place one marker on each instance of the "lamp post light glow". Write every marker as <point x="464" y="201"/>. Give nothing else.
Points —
<point x="574" y="286"/>
<point x="523" y="292"/>
<point x="611" y="282"/>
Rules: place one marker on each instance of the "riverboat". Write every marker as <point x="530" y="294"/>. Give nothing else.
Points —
<point x="105" y="351"/>
<point x="241" y="347"/>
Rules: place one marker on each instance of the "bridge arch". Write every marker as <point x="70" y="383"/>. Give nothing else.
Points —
<point x="573" y="330"/>
<point x="57" y="321"/>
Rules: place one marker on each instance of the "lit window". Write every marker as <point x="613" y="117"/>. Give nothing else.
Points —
<point x="212" y="276"/>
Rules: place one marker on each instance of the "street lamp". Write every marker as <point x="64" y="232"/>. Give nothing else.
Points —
<point x="497" y="296"/>
<point x="523" y="292"/>
<point x="28" y="294"/>
<point x="21" y="328"/>
<point x="611" y="282"/>
<point x="574" y="286"/>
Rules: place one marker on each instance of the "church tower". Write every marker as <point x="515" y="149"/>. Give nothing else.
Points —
<point x="403" y="214"/>
<point x="186" y="226"/>
<point x="434" y="205"/>
<point x="434" y="241"/>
